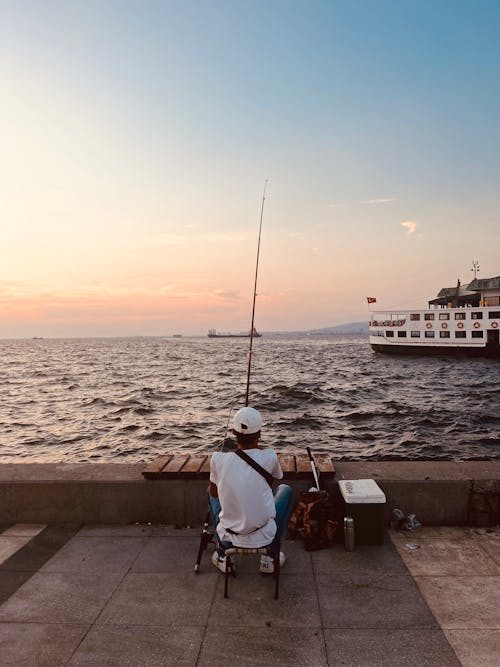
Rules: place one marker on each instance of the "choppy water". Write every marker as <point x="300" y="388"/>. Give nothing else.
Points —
<point x="126" y="400"/>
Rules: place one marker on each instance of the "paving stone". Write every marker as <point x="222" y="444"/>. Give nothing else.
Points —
<point x="265" y="645"/>
<point x="39" y="644"/>
<point x="10" y="582"/>
<point x="447" y="557"/>
<point x="119" y="645"/>
<point x="463" y="602"/>
<point x="392" y="648"/>
<point x="364" y="559"/>
<point x="59" y="598"/>
<point x="162" y="530"/>
<point x="161" y="599"/>
<point x="476" y="648"/>
<point x="116" y="530"/>
<point x="251" y="602"/>
<point x="298" y="560"/>
<point x="24" y="530"/>
<point x="377" y="601"/>
<point x="37" y="551"/>
<point x="170" y="554"/>
<point x="96" y="554"/>
<point x="9" y="546"/>
<point x="490" y="541"/>
<point x="432" y="533"/>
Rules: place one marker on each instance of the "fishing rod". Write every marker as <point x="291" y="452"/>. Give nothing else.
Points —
<point x="313" y="467"/>
<point x="252" y="327"/>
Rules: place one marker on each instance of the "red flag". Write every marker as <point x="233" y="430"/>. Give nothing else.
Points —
<point x="371" y="299"/>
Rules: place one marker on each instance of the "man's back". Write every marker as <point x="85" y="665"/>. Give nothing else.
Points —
<point x="248" y="508"/>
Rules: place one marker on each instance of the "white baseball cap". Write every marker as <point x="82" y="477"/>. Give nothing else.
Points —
<point x="247" y="421"/>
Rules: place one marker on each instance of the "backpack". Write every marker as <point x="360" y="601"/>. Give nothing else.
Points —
<point x="313" y="520"/>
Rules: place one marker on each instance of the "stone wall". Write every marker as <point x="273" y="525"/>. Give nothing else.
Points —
<point x="439" y="493"/>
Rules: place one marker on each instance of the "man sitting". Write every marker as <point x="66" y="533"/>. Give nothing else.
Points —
<point x="244" y="510"/>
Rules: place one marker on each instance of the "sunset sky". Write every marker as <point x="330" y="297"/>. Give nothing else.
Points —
<point x="136" y="137"/>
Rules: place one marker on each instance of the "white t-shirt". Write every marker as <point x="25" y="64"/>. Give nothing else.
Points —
<point x="246" y="498"/>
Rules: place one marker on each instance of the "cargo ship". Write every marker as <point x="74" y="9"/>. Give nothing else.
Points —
<point x="212" y="333"/>
<point x="462" y="320"/>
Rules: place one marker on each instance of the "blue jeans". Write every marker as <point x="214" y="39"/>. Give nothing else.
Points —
<point x="282" y="502"/>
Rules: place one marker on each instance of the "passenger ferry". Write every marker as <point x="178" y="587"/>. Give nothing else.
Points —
<point x="460" y="320"/>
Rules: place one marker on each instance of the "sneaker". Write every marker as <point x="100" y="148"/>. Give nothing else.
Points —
<point x="220" y="562"/>
<point x="267" y="563"/>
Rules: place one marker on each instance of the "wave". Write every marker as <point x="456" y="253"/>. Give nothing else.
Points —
<point x="127" y="399"/>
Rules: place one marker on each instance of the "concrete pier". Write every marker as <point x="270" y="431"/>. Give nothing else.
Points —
<point x="439" y="493"/>
<point x="127" y="595"/>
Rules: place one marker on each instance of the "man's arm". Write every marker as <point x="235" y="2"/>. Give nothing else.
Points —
<point x="214" y="474"/>
<point x="277" y="472"/>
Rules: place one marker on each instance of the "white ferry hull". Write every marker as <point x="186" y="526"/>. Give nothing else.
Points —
<point x="438" y="350"/>
<point x="473" y="332"/>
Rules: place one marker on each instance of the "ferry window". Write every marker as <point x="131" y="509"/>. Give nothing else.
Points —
<point x="460" y="316"/>
<point x="494" y="314"/>
<point x="415" y="334"/>
<point x="477" y="315"/>
<point x="401" y="334"/>
<point x="428" y="316"/>
<point x="414" y="317"/>
<point x="460" y="334"/>
<point x="389" y="334"/>
<point x="477" y="334"/>
<point x="444" y="334"/>
<point x="444" y="316"/>
<point x="429" y="334"/>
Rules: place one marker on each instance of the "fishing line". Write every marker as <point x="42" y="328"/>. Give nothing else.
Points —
<point x="221" y="446"/>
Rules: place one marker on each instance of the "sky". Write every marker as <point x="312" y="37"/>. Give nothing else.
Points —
<point x="136" y="138"/>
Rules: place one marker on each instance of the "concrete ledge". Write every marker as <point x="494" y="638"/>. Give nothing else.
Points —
<point x="440" y="493"/>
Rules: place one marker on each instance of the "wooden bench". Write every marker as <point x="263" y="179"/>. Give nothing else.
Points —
<point x="197" y="466"/>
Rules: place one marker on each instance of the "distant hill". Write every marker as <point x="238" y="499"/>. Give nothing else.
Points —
<point x="339" y="329"/>
<point x="348" y="328"/>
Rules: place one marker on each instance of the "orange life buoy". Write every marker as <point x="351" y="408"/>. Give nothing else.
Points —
<point x="444" y="325"/>
<point x="429" y="325"/>
<point x="494" y="325"/>
<point x="476" y="325"/>
<point x="460" y="325"/>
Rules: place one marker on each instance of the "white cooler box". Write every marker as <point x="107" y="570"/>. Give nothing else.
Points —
<point x="365" y="503"/>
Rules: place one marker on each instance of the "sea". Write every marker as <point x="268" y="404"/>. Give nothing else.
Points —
<point x="130" y="399"/>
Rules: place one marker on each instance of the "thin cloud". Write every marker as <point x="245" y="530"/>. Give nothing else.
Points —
<point x="226" y="294"/>
<point x="224" y="238"/>
<point x="379" y="200"/>
<point x="335" y="205"/>
<point x="166" y="239"/>
<point x="15" y="288"/>
<point x="410" y="226"/>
